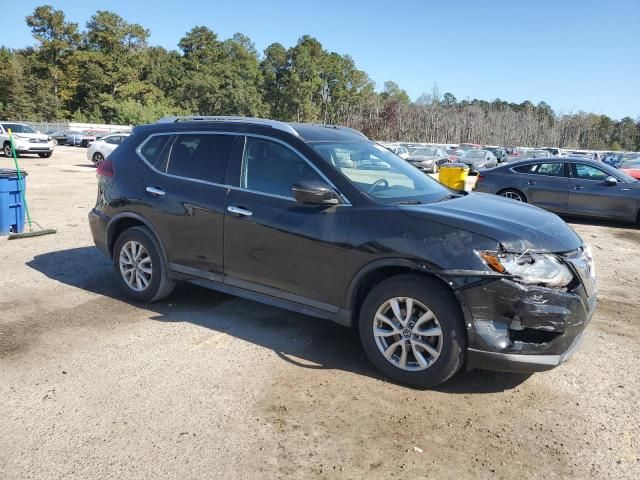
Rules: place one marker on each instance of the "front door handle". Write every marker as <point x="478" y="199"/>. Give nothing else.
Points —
<point x="155" y="191"/>
<point x="531" y="182"/>
<point x="578" y="187"/>
<point x="243" y="212"/>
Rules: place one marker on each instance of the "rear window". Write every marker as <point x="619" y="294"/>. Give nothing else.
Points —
<point x="200" y="156"/>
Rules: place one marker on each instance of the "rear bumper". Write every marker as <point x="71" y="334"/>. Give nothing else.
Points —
<point x="98" y="224"/>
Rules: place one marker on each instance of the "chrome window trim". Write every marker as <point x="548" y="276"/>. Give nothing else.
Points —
<point x="138" y="150"/>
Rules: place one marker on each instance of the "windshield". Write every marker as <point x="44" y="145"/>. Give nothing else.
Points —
<point x="18" y="128"/>
<point x="473" y="154"/>
<point x="426" y="152"/>
<point x="380" y="173"/>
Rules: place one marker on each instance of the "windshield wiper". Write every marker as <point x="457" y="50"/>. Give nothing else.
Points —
<point x="408" y="202"/>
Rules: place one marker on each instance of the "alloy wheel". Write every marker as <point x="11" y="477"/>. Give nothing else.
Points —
<point x="408" y="334"/>
<point x="135" y="266"/>
<point x="512" y="195"/>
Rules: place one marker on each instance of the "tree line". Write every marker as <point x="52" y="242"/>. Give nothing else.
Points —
<point x="109" y="73"/>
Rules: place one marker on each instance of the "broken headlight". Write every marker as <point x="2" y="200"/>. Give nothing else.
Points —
<point x="534" y="268"/>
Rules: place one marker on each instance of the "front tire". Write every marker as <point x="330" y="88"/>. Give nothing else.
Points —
<point x="6" y="148"/>
<point x="45" y="155"/>
<point x="411" y="329"/>
<point x="140" y="266"/>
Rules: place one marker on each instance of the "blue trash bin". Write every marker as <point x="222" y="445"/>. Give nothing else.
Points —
<point x="11" y="208"/>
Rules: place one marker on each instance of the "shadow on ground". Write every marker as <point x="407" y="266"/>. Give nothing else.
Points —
<point x="298" y="339"/>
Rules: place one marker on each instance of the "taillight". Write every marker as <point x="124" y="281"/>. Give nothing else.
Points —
<point x="479" y="178"/>
<point x="105" y="169"/>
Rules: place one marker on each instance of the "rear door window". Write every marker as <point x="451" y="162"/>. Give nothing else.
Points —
<point x="200" y="156"/>
<point x="548" y="169"/>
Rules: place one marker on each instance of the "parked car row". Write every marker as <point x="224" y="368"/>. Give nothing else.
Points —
<point x="29" y="141"/>
<point x="70" y="137"/>
<point x="78" y="138"/>
<point x="429" y="157"/>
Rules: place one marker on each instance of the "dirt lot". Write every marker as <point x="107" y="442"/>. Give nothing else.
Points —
<point x="204" y="385"/>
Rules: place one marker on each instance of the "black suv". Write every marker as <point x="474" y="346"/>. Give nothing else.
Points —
<point x="322" y="221"/>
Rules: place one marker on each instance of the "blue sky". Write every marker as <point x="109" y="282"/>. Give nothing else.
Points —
<point x="573" y="54"/>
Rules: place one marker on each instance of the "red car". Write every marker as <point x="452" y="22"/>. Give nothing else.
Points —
<point x="631" y="167"/>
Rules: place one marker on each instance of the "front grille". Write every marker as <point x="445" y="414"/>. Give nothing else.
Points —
<point x="37" y="140"/>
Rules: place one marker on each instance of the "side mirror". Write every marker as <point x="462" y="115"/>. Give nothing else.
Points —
<point x="314" y="193"/>
<point x="610" y="181"/>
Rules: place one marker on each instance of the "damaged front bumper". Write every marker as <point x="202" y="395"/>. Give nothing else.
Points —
<point x="518" y="362"/>
<point x="516" y="327"/>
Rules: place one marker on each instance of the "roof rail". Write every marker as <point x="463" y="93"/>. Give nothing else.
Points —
<point x="285" y="127"/>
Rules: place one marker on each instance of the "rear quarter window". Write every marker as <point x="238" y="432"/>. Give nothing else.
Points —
<point x="155" y="150"/>
<point x="521" y="169"/>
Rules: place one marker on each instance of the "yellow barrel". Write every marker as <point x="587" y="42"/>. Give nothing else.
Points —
<point x="453" y="175"/>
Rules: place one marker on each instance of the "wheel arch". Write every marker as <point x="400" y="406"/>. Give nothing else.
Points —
<point x="379" y="270"/>
<point x="122" y="221"/>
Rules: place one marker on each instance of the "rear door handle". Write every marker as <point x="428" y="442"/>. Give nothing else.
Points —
<point x="243" y="212"/>
<point x="578" y="187"/>
<point x="155" y="191"/>
<point x="531" y="182"/>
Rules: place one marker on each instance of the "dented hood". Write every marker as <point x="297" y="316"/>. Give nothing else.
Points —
<point x="516" y="226"/>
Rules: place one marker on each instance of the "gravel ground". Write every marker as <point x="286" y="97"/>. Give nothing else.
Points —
<point x="204" y="385"/>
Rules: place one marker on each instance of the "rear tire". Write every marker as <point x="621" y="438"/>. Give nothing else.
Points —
<point x="140" y="266"/>
<point x="513" y="194"/>
<point x="97" y="158"/>
<point x="427" y="352"/>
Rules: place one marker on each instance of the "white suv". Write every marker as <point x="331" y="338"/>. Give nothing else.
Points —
<point x="25" y="140"/>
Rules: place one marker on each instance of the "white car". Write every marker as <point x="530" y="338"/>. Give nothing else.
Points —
<point x="399" y="150"/>
<point x="102" y="147"/>
<point x="25" y="140"/>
